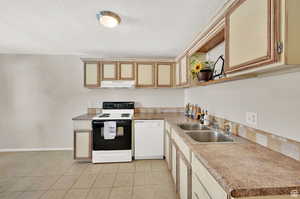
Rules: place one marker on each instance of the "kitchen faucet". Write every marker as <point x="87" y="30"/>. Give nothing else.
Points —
<point x="227" y="129"/>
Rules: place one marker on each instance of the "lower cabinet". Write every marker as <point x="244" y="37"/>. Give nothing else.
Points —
<point x="174" y="163"/>
<point x="204" y="184"/>
<point x="184" y="177"/>
<point x="82" y="145"/>
<point x="199" y="191"/>
<point x="167" y="147"/>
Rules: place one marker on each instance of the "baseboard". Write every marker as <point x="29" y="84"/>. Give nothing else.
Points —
<point x="36" y="149"/>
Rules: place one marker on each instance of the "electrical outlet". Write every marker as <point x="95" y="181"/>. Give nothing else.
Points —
<point x="251" y="118"/>
<point x="99" y="104"/>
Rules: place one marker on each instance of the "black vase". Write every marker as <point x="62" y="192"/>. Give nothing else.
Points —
<point x="205" y="75"/>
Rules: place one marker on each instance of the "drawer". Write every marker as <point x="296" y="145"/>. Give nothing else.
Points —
<point x="82" y="125"/>
<point x="213" y="188"/>
<point x="182" y="146"/>
<point x="198" y="191"/>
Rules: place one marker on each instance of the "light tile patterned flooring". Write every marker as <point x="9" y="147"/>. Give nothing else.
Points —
<point x="55" y="175"/>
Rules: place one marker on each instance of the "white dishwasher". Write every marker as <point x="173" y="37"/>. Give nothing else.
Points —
<point x="149" y="139"/>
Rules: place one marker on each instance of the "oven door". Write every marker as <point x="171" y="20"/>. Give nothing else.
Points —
<point x="121" y="142"/>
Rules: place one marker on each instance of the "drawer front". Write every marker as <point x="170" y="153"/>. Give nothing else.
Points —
<point x="82" y="125"/>
<point x="198" y="191"/>
<point x="211" y="185"/>
<point x="182" y="146"/>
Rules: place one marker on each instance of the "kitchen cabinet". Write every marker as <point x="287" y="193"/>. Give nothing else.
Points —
<point x="82" y="145"/>
<point x="164" y="74"/>
<point x="199" y="191"/>
<point x="145" y="75"/>
<point x="177" y="74"/>
<point x="109" y="71"/>
<point x="184" y="71"/>
<point x="174" y="163"/>
<point x="184" y="177"/>
<point x="91" y="75"/>
<point x="126" y="71"/>
<point x="250" y="37"/>
<point x="167" y="147"/>
<point x="149" y="139"/>
<point x="204" y="184"/>
<point x="267" y="38"/>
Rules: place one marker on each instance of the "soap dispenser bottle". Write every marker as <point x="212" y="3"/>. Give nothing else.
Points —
<point x="206" y="118"/>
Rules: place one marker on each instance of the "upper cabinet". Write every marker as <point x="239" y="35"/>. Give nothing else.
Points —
<point x="91" y="75"/>
<point x="126" y="71"/>
<point x="251" y="34"/>
<point x="109" y="71"/>
<point x="184" y="71"/>
<point x="145" y="75"/>
<point x="177" y="74"/>
<point x="164" y="75"/>
<point x="262" y="33"/>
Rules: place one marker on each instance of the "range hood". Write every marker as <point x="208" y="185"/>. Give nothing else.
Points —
<point x="118" y="84"/>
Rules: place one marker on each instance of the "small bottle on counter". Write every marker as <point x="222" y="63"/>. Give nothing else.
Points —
<point x="206" y="118"/>
<point x="198" y="114"/>
<point x="187" y="107"/>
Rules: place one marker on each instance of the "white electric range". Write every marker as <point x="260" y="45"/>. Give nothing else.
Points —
<point x="118" y="149"/>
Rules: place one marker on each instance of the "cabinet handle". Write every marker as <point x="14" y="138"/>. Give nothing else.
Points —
<point x="196" y="195"/>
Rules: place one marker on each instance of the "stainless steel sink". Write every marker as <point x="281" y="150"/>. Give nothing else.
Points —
<point x="193" y="126"/>
<point x="209" y="136"/>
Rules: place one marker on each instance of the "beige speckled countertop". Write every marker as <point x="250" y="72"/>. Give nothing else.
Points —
<point x="243" y="169"/>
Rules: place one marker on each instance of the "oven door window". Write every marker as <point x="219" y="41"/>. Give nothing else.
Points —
<point x="121" y="142"/>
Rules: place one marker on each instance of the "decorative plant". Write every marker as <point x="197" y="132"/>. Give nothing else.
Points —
<point x="198" y="66"/>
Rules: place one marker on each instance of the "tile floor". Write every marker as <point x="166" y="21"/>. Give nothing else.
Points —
<point x="55" y="175"/>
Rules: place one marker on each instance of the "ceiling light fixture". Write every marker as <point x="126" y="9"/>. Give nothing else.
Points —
<point x="108" y="19"/>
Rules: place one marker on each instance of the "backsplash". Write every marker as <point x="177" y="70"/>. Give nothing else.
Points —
<point x="158" y="109"/>
<point x="94" y="111"/>
<point x="280" y="144"/>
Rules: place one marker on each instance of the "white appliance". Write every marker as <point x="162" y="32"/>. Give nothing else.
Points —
<point x="118" y="84"/>
<point x="118" y="149"/>
<point x="149" y="139"/>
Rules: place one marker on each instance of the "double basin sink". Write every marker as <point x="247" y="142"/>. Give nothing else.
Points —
<point x="204" y="134"/>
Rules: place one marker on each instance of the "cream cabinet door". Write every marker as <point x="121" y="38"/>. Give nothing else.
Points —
<point x="164" y="75"/>
<point x="251" y="35"/>
<point x="109" y="71"/>
<point x="174" y="164"/>
<point x="177" y="74"/>
<point x="145" y="75"/>
<point x="183" y="71"/>
<point x="167" y="149"/>
<point x="184" y="178"/>
<point x="91" y="75"/>
<point x="82" y="145"/>
<point x="126" y="71"/>
<point x="198" y="191"/>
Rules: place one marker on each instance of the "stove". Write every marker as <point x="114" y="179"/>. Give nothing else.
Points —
<point x="116" y="111"/>
<point x="117" y="148"/>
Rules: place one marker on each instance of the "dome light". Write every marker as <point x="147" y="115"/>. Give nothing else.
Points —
<point x="108" y="19"/>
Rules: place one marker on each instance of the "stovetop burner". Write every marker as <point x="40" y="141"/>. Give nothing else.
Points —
<point x="104" y="115"/>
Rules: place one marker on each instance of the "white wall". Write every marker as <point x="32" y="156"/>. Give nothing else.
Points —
<point x="276" y="99"/>
<point x="40" y="95"/>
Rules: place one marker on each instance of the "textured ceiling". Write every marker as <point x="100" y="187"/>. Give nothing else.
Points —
<point x="149" y="28"/>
